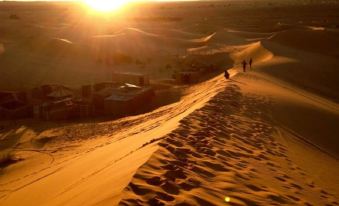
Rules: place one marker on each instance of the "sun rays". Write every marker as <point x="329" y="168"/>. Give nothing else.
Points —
<point x="106" y="5"/>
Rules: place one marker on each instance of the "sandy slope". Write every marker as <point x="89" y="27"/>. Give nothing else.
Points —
<point x="238" y="145"/>
<point x="96" y="160"/>
<point x="245" y="145"/>
<point x="231" y="148"/>
<point x="262" y="141"/>
<point x="310" y="71"/>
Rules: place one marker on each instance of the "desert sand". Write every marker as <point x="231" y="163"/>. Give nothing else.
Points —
<point x="268" y="136"/>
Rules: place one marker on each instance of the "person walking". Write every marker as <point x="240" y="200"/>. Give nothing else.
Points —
<point x="244" y="65"/>
<point x="227" y="75"/>
<point x="250" y="63"/>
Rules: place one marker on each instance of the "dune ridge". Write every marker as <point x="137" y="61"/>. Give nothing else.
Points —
<point x="227" y="149"/>
<point x="193" y="167"/>
<point x="67" y="163"/>
<point x="320" y="41"/>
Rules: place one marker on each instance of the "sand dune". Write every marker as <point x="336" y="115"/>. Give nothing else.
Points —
<point x="250" y="35"/>
<point x="264" y="137"/>
<point x="300" y="69"/>
<point x="135" y="42"/>
<point x="319" y="41"/>
<point x="203" y="39"/>
<point x="73" y="58"/>
<point x="172" y="36"/>
<point x="215" y="60"/>
<point x="256" y="51"/>
<point x="227" y="151"/>
<point x="59" y="46"/>
<point x="193" y="167"/>
<point x="61" y="42"/>
<point x="227" y="38"/>
<point x="174" y="33"/>
<point x="106" y="158"/>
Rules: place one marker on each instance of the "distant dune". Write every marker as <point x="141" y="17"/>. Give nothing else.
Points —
<point x="312" y="69"/>
<point x="256" y="51"/>
<point x="318" y="41"/>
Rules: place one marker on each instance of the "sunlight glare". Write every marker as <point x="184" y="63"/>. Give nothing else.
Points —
<point x="227" y="199"/>
<point x="105" y="5"/>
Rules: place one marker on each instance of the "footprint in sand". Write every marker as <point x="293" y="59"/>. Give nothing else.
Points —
<point x="138" y="189"/>
<point x="128" y="202"/>
<point x="155" y="201"/>
<point x="296" y="186"/>
<point x="278" y="198"/>
<point x="170" y="187"/>
<point x="175" y="174"/>
<point x="280" y="178"/>
<point x="154" y="181"/>
<point x="202" y="202"/>
<point x="254" y="188"/>
<point x="164" y="196"/>
<point x="174" y="142"/>
<point x="294" y="198"/>
<point x="215" y="166"/>
<point x="202" y="172"/>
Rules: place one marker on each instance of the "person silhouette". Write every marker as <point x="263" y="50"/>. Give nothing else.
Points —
<point x="227" y="75"/>
<point x="250" y="63"/>
<point x="244" y="64"/>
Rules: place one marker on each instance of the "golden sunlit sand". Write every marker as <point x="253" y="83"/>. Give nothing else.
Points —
<point x="130" y="106"/>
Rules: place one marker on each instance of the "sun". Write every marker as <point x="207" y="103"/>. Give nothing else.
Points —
<point x="105" y="5"/>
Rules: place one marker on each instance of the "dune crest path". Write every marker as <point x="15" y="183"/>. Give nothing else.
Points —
<point x="109" y="160"/>
<point x="225" y="151"/>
